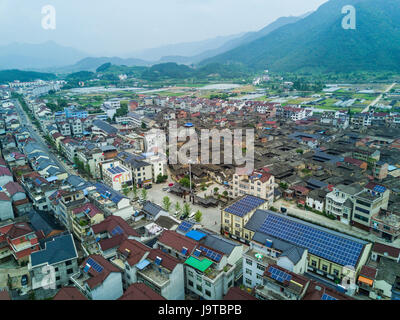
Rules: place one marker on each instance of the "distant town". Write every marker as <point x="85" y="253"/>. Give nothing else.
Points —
<point x="90" y="209"/>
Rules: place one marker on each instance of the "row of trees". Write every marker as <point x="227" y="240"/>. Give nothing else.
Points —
<point x="167" y="204"/>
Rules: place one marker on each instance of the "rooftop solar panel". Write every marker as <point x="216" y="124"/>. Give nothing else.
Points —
<point x="327" y="297"/>
<point x="245" y="205"/>
<point x="93" y="264"/>
<point x="329" y="246"/>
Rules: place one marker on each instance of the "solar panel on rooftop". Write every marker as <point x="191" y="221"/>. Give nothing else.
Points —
<point x="93" y="264"/>
<point x="328" y="246"/>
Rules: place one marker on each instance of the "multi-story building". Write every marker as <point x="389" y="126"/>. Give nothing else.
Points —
<point x="386" y="225"/>
<point x="260" y="184"/>
<point x="263" y="251"/>
<point x="99" y="279"/>
<point x="235" y="216"/>
<point x="116" y="175"/>
<point x="141" y="171"/>
<point x="69" y="201"/>
<point x="60" y="257"/>
<point x="92" y="158"/>
<point x="18" y="240"/>
<point x="339" y="202"/>
<point x="83" y="217"/>
<point x="213" y="267"/>
<point x="330" y="254"/>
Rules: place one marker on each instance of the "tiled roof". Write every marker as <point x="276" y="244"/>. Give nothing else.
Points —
<point x="58" y="249"/>
<point x="18" y="230"/>
<point x="236" y="293"/>
<point x="177" y="241"/>
<point x="69" y="293"/>
<point x="167" y="261"/>
<point x="368" y="272"/>
<point x="111" y="222"/>
<point x="113" y="242"/>
<point x="383" y="248"/>
<point x="98" y="277"/>
<point x="4" y="197"/>
<point x="133" y="251"/>
<point x="91" y="208"/>
<point x="13" y="188"/>
<point x="140" y="291"/>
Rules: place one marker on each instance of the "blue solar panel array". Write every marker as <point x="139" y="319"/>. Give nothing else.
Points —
<point x="321" y="243"/>
<point x="245" y="205"/>
<point x="185" y="226"/>
<point x="158" y="261"/>
<point x="117" y="230"/>
<point x="380" y="189"/>
<point x="197" y="253"/>
<point x="279" y="275"/>
<point x="327" y="297"/>
<point x="116" y="170"/>
<point x="93" y="264"/>
<point x="108" y="193"/>
<point x="211" y="254"/>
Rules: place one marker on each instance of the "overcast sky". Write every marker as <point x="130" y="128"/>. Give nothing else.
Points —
<point x="122" y="26"/>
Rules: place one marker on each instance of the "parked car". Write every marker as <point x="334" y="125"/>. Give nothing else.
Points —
<point x="165" y="189"/>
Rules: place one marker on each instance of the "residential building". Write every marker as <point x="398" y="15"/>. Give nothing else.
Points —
<point x="260" y="184"/>
<point x="57" y="260"/>
<point x="235" y="216"/>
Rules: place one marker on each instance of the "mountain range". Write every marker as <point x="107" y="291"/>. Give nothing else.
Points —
<point x="319" y="43"/>
<point x="313" y="42"/>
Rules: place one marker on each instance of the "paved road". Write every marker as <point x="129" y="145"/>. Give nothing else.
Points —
<point x="30" y="127"/>
<point x="373" y="103"/>
<point x="211" y="218"/>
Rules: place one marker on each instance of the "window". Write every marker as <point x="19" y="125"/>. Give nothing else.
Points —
<point x="230" y="283"/>
<point x="208" y="293"/>
<point x="227" y="221"/>
<point x="325" y="268"/>
<point x="199" y="278"/>
<point x="260" y="267"/>
<point x="208" y="283"/>
<point x="248" y="281"/>
<point x="199" y="287"/>
<point x="249" y="262"/>
<point x="248" y="271"/>
<point x="336" y="272"/>
<point x="259" y="276"/>
<point x="313" y="263"/>
<point x="362" y="210"/>
<point x="56" y="269"/>
<point x="69" y="271"/>
<point x="58" y="278"/>
<point x="190" y="273"/>
<point x="190" y="283"/>
<point x="357" y="216"/>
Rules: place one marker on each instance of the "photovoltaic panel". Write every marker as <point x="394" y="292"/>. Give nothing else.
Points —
<point x="279" y="275"/>
<point x="117" y="230"/>
<point x="211" y="254"/>
<point x="321" y="243"/>
<point x="185" y="226"/>
<point x="245" y="205"/>
<point x="327" y="297"/>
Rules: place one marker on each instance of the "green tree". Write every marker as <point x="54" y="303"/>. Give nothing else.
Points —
<point x="185" y="182"/>
<point x="177" y="207"/>
<point x="198" y="216"/>
<point x="301" y="151"/>
<point x="125" y="190"/>
<point x="134" y="190"/>
<point x="186" y="209"/>
<point x="216" y="190"/>
<point x="225" y="193"/>
<point x="167" y="203"/>
<point x="144" y="126"/>
<point x="144" y="194"/>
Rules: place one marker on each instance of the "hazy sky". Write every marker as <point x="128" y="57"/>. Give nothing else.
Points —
<point x="122" y="26"/>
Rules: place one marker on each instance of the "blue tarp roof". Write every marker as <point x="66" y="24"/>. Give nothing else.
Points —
<point x="52" y="178"/>
<point x="195" y="235"/>
<point x="143" y="264"/>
